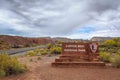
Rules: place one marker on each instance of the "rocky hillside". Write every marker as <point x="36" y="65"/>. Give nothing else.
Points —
<point x="7" y="41"/>
<point x="101" y="39"/>
<point x="24" y="40"/>
<point x="63" y="39"/>
<point x="14" y="41"/>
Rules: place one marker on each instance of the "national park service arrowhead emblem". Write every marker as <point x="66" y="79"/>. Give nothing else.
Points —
<point x="94" y="47"/>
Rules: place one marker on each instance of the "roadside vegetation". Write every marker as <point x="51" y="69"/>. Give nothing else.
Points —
<point x="49" y="50"/>
<point x="10" y="65"/>
<point x="111" y="46"/>
<point x="110" y="51"/>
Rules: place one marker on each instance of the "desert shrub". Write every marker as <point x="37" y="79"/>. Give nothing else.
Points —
<point x="104" y="56"/>
<point x="109" y="49"/>
<point x="2" y="73"/>
<point x="43" y="51"/>
<point x="37" y="51"/>
<point x="117" y="41"/>
<point x="59" y="42"/>
<point x="118" y="51"/>
<point x="112" y="50"/>
<point x="31" y="60"/>
<point x="39" y="58"/>
<point x="49" y="46"/>
<point x="55" y="50"/>
<point x="58" y="45"/>
<point x="10" y="65"/>
<point x="31" y="53"/>
<point x="101" y="49"/>
<point x="110" y="43"/>
<point x="116" y="61"/>
<point x="15" y="67"/>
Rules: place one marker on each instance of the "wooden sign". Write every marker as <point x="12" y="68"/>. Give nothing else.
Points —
<point x="79" y="54"/>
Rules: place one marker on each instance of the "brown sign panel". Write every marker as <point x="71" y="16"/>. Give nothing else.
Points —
<point x="74" y="48"/>
<point x="79" y="48"/>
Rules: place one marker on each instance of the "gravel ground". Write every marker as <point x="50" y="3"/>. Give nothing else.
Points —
<point x="42" y="70"/>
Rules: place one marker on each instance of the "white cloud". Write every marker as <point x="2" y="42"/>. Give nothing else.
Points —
<point x="61" y="17"/>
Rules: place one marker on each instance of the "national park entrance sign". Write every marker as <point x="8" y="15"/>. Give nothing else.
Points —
<point x="79" y="54"/>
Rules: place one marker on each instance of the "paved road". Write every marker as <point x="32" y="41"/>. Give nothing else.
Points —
<point x="21" y="50"/>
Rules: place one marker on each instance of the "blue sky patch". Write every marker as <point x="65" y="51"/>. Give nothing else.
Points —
<point x="86" y="29"/>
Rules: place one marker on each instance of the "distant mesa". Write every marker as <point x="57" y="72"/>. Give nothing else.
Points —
<point x="8" y="41"/>
<point x="101" y="39"/>
<point x="24" y="40"/>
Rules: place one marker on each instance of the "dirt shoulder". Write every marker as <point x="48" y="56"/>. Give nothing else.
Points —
<point x="42" y="70"/>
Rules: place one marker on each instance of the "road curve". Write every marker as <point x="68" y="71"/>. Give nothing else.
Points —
<point x="20" y="50"/>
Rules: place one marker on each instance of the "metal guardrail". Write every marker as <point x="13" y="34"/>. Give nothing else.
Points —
<point x="16" y="51"/>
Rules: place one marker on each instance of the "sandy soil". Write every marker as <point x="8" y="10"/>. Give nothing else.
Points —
<point x="42" y="70"/>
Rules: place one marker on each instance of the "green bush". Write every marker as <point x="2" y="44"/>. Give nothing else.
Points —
<point x="37" y="51"/>
<point x="116" y="61"/>
<point x="31" y="53"/>
<point x="101" y="49"/>
<point x="55" y="50"/>
<point x="43" y="51"/>
<point x="39" y="58"/>
<point x="112" y="50"/>
<point x="10" y="65"/>
<point x="2" y="73"/>
<point x="118" y="51"/>
<point x="31" y="60"/>
<point x="104" y="56"/>
<point x="49" y="46"/>
<point x="110" y="43"/>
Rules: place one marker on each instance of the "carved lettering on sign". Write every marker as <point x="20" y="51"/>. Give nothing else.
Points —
<point x="74" y="48"/>
<point x="81" y="46"/>
<point x="81" y="50"/>
<point x="71" y="50"/>
<point x="71" y="45"/>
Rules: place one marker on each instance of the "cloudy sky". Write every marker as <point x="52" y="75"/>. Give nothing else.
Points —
<point x="60" y="18"/>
